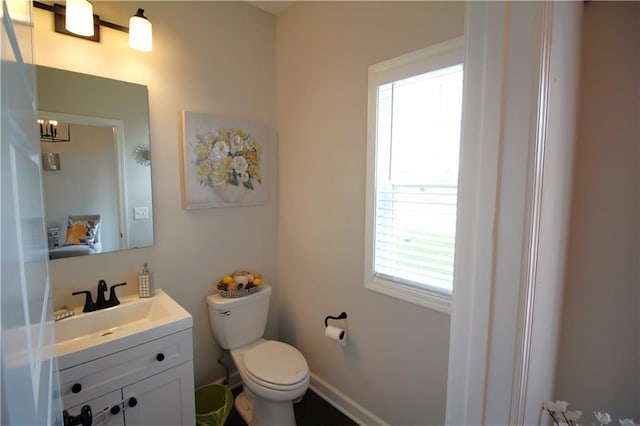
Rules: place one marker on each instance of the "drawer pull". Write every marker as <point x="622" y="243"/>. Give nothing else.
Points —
<point x="76" y="388"/>
<point x="160" y="357"/>
<point x="115" y="409"/>
<point x="133" y="402"/>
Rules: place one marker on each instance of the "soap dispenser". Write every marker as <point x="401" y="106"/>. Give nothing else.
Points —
<point x="145" y="282"/>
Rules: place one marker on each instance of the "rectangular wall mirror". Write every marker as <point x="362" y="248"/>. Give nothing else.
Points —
<point x="98" y="198"/>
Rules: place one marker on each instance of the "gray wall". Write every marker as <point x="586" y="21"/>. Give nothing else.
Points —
<point x="599" y="348"/>
<point x="213" y="57"/>
<point x="395" y="361"/>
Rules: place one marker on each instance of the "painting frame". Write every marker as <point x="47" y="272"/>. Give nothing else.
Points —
<point x="224" y="161"/>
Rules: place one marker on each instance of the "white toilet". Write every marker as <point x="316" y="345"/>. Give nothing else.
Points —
<point x="273" y="374"/>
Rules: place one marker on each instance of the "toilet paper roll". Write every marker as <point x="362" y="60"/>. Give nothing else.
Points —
<point x="337" y="334"/>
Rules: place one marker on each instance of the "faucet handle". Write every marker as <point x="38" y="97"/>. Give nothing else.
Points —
<point x="102" y="288"/>
<point x="88" y="303"/>
<point x="113" y="298"/>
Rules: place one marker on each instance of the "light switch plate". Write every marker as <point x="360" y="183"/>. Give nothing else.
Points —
<point x="140" y="213"/>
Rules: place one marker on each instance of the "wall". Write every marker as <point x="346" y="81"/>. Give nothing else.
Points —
<point x="599" y="349"/>
<point x="395" y="361"/>
<point x="214" y="57"/>
<point x="86" y="182"/>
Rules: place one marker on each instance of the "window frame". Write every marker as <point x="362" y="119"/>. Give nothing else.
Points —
<point x="441" y="55"/>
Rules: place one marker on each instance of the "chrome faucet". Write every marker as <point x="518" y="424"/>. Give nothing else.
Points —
<point x="101" y="302"/>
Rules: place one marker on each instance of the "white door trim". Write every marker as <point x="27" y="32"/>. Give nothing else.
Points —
<point x="120" y="145"/>
<point x="505" y="316"/>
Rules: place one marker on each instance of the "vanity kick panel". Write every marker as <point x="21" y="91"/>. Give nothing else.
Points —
<point x="114" y="371"/>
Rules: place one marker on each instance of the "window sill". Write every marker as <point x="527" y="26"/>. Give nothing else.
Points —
<point x="422" y="297"/>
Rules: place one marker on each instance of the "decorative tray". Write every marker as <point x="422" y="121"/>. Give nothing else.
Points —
<point x="238" y="293"/>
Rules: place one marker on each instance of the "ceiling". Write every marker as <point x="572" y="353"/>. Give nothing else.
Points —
<point x="273" y="7"/>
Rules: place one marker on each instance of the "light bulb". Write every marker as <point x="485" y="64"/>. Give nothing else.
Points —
<point x="140" y="33"/>
<point x="79" y="17"/>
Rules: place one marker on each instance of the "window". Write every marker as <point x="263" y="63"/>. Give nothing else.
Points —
<point x="415" y="108"/>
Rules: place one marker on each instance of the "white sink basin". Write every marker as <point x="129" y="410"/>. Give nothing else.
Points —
<point x="134" y="321"/>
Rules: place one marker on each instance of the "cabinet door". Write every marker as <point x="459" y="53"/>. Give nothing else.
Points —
<point x="98" y="405"/>
<point x="164" y="399"/>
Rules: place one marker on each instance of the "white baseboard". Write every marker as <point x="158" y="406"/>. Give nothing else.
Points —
<point x="344" y="404"/>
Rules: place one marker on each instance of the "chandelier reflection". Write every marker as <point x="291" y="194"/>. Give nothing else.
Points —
<point x="49" y="131"/>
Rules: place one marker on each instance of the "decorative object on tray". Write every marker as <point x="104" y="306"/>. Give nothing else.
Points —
<point x="224" y="161"/>
<point x="239" y="283"/>
<point x="562" y="416"/>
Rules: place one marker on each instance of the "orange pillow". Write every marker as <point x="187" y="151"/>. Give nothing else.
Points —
<point x="81" y="232"/>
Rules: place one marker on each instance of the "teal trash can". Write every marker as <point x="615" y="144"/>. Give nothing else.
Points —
<point x="213" y="404"/>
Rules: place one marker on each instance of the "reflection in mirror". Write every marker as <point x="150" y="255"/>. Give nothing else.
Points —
<point x="98" y="196"/>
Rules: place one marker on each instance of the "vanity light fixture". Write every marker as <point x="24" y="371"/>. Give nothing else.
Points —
<point x="49" y="131"/>
<point x="76" y="18"/>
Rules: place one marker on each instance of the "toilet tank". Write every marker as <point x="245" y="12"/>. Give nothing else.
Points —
<point x="238" y="321"/>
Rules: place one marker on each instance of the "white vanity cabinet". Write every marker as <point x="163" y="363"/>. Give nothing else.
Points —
<point x="146" y="384"/>
<point x="163" y="399"/>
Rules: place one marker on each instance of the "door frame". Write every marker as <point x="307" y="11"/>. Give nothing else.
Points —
<point x="513" y="201"/>
<point x="120" y="144"/>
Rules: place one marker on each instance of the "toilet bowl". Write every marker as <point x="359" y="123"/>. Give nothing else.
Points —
<point x="274" y="374"/>
<point x="272" y="370"/>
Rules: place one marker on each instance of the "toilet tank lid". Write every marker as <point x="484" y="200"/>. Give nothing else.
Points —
<point x="219" y="303"/>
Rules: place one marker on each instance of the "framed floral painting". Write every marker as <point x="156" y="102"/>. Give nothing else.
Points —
<point x="224" y="161"/>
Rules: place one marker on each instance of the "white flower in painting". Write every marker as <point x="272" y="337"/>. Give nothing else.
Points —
<point x="555" y="407"/>
<point x="627" y="422"/>
<point x="602" y="418"/>
<point x="209" y="138"/>
<point x="220" y="150"/>
<point x="237" y="143"/>
<point x="240" y="164"/>
<point x="572" y="416"/>
<point x="243" y="177"/>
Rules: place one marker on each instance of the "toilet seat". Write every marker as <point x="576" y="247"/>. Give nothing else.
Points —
<point x="276" y="365"/>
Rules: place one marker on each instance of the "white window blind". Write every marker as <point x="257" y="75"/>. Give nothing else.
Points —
<point x="415" y="108"/>
<point x="418" y="139"/>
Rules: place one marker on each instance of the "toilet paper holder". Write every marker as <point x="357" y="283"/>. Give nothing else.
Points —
<point x="343" y="315"/>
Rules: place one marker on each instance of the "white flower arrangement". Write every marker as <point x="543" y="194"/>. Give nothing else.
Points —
<point x="228" y="156"/>
<point x="561" y="416"/>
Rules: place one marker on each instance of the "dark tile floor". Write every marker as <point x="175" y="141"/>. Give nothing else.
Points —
<point x="311" y="411"/>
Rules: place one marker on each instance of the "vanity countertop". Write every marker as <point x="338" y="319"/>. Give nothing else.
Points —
<point x="87" y="336"/>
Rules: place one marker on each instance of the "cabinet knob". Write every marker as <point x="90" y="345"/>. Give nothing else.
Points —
<point x="160" y="357"/>
<point x="115" y="409"/>
<point x="133" y="402"/>
<point x="85" y="418"/>
<point x="76" y="388"/>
